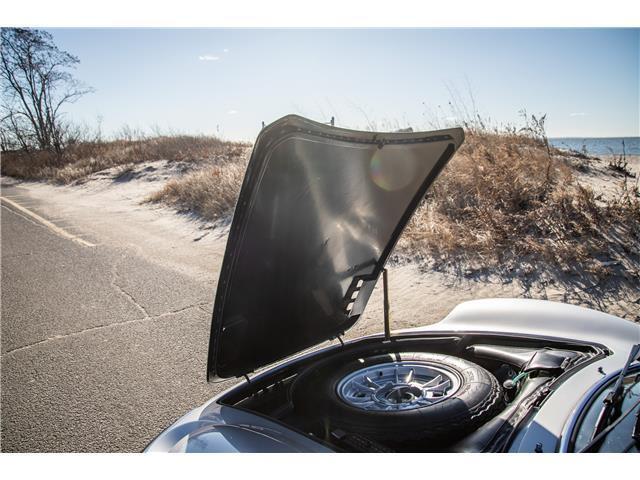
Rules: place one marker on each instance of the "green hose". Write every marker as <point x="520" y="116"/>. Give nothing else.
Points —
<point x="513" y="382"/>
<point x="519" y="377"/>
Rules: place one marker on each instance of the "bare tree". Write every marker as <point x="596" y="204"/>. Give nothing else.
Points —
<point x="36" y="83"/>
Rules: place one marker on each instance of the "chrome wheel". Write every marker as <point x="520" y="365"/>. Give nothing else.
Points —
<point x="398" y="386"/>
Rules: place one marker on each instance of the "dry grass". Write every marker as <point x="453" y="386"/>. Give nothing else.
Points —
<point x="82" y="159"/>
<point x="210" y="192"/>
<point x="507" y="203"/>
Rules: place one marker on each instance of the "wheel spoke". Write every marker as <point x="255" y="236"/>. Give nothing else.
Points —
<point x="362" y="388"/>
<point x="409" y="376"/>
<point x="433" y="382"/>
<point x="370" y="382"/>
<point x="361" y="400"/>
<point x="441" y="387"/>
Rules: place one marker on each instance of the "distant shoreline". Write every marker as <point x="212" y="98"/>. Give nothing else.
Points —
<point x="598" y="146"/>
<point x="594" y="138"/>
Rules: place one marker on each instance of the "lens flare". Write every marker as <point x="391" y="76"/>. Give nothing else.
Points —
<point x="391" y="173"/>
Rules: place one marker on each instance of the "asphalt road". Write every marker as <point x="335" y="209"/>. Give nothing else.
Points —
<point x="101" y="348"/>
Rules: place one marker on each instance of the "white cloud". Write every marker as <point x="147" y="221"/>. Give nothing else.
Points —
<point x="578" y="114"/>
<point x="232" y="112"/>
<point x="226" y="50"/>
<point x="208" y="58"/>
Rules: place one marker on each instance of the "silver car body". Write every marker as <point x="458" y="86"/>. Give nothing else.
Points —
<point x="217" y="428"/>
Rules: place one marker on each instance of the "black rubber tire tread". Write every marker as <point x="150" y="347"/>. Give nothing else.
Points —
<point x="314" y="394"/>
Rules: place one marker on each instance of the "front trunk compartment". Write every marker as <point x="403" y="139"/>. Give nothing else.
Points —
<point x="526" y="368"/>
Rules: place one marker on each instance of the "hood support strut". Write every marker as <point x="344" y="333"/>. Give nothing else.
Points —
<point x="385" y="289"/>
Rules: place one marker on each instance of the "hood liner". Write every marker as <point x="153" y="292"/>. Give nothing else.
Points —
<point x="319" y="212"/>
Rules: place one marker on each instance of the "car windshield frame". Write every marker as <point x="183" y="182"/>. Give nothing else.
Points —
<point x="620" y="436"/>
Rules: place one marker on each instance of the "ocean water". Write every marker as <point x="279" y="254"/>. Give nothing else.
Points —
<point x="599" y="146"/>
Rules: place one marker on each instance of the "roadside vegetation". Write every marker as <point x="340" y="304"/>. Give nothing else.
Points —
<point x="210" y="192"/>
<point x="81" y="159"/>
<point x="508" y="203"/>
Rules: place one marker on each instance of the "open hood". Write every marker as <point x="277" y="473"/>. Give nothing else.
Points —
<point x="319" y="212"/>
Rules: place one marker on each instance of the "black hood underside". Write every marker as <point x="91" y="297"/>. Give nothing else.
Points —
<point x="319" y="212"/>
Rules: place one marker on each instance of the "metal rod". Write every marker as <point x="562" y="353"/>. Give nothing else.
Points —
<point x="385" y="289"/>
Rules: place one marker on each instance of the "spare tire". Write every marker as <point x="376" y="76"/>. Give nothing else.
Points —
<point x="399" y="397"/>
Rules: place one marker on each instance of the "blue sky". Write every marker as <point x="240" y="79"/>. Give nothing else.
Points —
<point x="226" y="81"/>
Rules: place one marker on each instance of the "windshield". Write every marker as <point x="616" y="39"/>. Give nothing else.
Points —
<point x="619" y="439"/>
